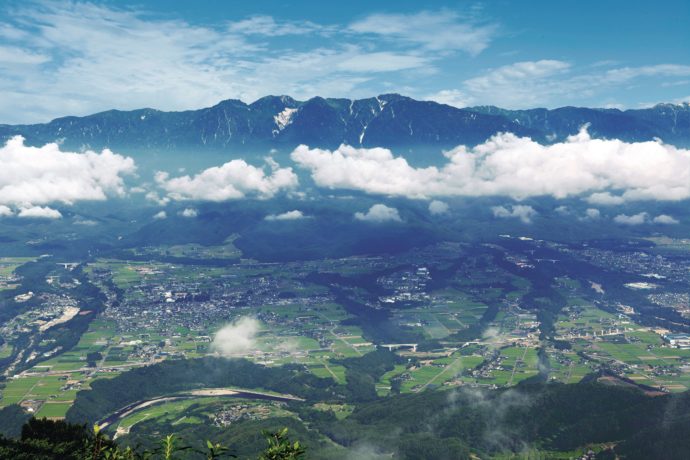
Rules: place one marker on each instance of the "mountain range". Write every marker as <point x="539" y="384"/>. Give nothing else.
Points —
<point x="389" y="120"/>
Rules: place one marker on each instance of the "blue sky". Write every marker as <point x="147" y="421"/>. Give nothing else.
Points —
<point x="60" y="58"/>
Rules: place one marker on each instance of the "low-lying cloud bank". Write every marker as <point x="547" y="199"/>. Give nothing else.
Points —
<point x="237" y="337"/>
<point x="234" y="180"/>
<point x="602" y="172"/>
<point x="606" y="171"/>
<point x="32" y="176"/>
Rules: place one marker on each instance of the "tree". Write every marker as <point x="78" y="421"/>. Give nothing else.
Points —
<point x="280" y="447"/>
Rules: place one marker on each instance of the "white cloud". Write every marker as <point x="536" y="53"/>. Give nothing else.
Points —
<point x="85" y="222"/>
<point x="39" y="212"/>
<point x="437" y="207"/>
<point x="160" y="215"/>
<point x="626" y="74"/>
<point x="5" y="211"/>
<point x="379" y="213"/>
<point x="644" y="218"/>
<point x="550" y="82"/>
<point x="236" y="338"/>
<point x="605" y="199"/>
<point x="514" y="83"/>
<point x="453" y="97"/>
<point x="592" y="214"/>
<point x="665" y="219"/>
<point x="434" y="30"/>
<point x="269" y="27"/>
<point x="153" y="196"/>
<point x="233" y="180"/>
<point x="523" y="212"/>
<point x="507" y="165"/>
<point x="635" y="219"/>
<point x="382" y="61"/>
<point x="563" y="210"/>
<point x="77" y="58"/>
<point x="289" y="215"/>
<point x="189" y="213"/>
<point x="42" y="175"/>
<point x="81" y="57"/>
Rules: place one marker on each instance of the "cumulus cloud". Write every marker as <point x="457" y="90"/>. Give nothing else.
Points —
<point x="5" y="211"/>
<point x="607" y="171"/>
<point x="592" y="214"/>
<point x="437" y="207"/>
<point x="665" y="220"/>
<point x="189" y="213"/>
<point x="635" y="219"/>
<point x="289" y="215"/>
<point x="379" y="213"/>
<point x="32" y="176"/>
<point x="39" y="212"/>
<point x="605" y="199"/>
<point x="156" y="198"/>
<point x="234" y="180"/>
<point x="236" y="338"/>
<point x="523" y="212"/>
<point x="645" y="218"/>
<point x="160" y="215"/>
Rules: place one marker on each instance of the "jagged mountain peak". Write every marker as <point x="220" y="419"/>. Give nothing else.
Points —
<point x="387" y="120"/>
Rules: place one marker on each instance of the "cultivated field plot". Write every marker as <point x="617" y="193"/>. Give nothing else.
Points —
<point x="8" y="265"/>
<point x="207" y="410"/>
<point x="193" y="251"/>
<point x="637" y="352"/>
<point x="55" y="382"/>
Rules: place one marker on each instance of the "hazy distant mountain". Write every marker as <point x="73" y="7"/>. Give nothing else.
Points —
<point x="388" y="120"/>
<point x="668" y="122"/>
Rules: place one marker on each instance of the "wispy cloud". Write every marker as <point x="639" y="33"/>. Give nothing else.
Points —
<point x="269" y="27"/>
<point x="75" y="57"/>
<point x="551" y="82"/>
<point x="85" y="57"/>
<point x="443" y="30"/>
<point x="236" y="338"/>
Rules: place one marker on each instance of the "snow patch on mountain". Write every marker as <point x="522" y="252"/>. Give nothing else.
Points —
<point x="283" y="119"/>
